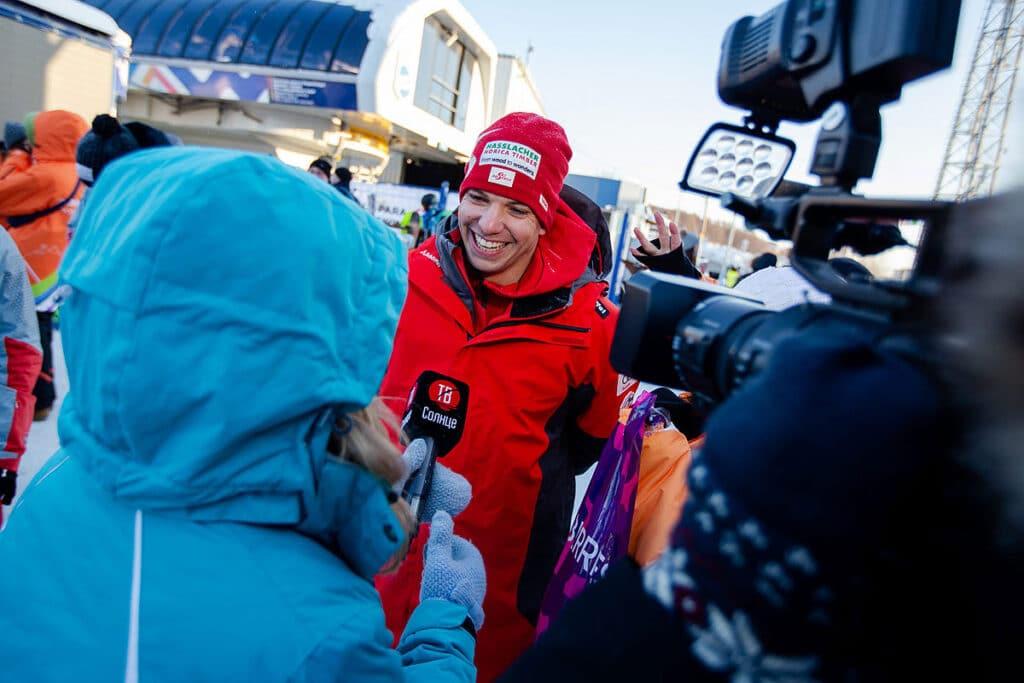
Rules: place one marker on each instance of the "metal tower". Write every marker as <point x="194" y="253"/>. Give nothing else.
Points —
<point x="976" y="143"/>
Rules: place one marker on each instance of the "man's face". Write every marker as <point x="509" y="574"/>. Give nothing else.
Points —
<point x="316" y="172"/>
<point x="500" y="235"/>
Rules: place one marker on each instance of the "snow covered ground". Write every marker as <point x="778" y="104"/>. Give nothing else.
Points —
<point x="43" y="441"/>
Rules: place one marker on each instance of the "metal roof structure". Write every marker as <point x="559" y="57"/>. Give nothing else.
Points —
<point x="288" y="34"/>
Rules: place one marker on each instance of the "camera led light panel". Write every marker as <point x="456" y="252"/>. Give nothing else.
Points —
<point x="732" y="159"/>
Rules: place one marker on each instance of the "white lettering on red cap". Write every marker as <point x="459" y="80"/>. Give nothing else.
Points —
<point x="511" y="155"/>
<point x="544" y="202"/>
<point x="502" y="176"/>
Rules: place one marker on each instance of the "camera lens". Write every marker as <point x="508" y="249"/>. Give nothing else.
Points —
<point x="707" y="342"/>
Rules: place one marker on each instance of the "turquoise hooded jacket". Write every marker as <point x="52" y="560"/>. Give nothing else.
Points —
<point x="224" y="309"/>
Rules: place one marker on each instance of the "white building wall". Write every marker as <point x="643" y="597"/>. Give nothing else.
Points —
<point x="44" y="70"/>
<point x="514" y="89"/>
<point x="390" y="68"/>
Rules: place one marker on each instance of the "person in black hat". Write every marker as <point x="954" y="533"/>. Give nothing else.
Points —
<point x="321" y="168"/>
<point x="109" y="139"/>
<point x="343" y="185"/>
<point x="762" y="261"/>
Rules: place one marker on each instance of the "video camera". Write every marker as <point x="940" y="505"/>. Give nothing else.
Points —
<point x="838" y="60"/>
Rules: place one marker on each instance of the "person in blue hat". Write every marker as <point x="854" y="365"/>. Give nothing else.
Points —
<point x="224" y="492"/>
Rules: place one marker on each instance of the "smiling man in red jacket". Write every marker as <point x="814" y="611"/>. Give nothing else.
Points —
<point x="504" y="299"/>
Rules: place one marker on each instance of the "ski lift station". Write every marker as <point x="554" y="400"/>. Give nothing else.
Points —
<point x="395" y="90"/>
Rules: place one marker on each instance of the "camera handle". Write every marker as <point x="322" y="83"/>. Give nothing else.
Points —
<point x="844" y="153"/>
<point x="847" y="146"/>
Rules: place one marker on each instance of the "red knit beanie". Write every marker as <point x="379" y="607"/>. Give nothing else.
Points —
<point x="524" y="157"/>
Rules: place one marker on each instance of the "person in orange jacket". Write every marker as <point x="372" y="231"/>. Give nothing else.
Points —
<point x="37" y="205"/>
<point x="18" y="158"/>
<point x="664" y="460"/>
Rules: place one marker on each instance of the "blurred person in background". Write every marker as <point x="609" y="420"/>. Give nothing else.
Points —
<point x="427" y="218"/>
<point x="37" y="204"/>
<point x="321" y="168"/>
<point x="18" y="156"/>
<point x="760" y="262"/>
<point x="344" y="183"/>
<point x="20" y="360"/>
<point x="106" y="141"/>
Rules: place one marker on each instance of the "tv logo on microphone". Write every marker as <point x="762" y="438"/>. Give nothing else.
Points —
<point x="444" y="395"/>
<point x="437" y="409"/>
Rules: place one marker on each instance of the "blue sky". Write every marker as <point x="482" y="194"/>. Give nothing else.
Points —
<point x="633" y="83"/>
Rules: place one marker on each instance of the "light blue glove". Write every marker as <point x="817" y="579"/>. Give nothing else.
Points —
<point x="453" y="569"/>
<point x="449" y="491"/>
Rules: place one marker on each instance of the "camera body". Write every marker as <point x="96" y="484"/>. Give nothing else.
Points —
<point x="839" y="60"/>
<point x="796" y="59"/>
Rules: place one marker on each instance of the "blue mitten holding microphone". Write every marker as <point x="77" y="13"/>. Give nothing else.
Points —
<point x="449" y="491"/>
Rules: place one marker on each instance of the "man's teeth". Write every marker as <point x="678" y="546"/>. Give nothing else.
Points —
<point x="487" y="244"/>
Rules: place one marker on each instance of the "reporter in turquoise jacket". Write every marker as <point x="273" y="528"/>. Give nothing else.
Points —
<point x="225" y="311"/>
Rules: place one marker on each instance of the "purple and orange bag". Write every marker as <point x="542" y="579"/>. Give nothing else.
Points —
<point x="599" y="534"/>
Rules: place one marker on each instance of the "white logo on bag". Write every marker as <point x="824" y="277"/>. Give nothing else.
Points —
<point x="502" y="176"/>
<point x="511" y="155"/>
<point x="587" y="553"/>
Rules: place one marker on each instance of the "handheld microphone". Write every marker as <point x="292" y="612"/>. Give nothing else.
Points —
<point x="433" y="421"/>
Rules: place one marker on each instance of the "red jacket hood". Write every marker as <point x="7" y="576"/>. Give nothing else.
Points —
<point x="561" y="259"/>
<point x="57" y="135"/>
